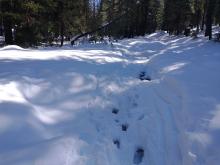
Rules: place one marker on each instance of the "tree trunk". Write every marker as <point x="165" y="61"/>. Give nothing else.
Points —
<point x="8" y="31"/>
<point x="62" y="33"/>
<point x="198" y="14"/>
<point x="98" y="29"/>
<point x="204" y="14"/>
<point x="61" y="21"/>
<point x="209" y="18"/>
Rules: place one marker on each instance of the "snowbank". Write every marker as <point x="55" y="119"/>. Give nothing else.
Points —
<point x="12" y="47"/>
<point x="87" y="105"/>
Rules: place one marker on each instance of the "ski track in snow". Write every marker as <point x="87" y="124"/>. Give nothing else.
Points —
<point x="87" y="106"/>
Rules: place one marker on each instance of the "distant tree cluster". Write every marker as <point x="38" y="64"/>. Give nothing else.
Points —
<point x="33" y="22"/>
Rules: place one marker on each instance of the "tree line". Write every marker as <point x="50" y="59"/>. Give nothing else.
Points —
<point x="33" y="22"/>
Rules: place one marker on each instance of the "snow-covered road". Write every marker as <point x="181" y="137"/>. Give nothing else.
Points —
<point x="86" y="105"/>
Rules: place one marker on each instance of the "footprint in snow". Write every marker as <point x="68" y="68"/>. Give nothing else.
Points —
<point x="134" y="104"/>
<point x="143" y="76"/>
<point x="141" y="117"/>
<point x="138" y="156"/>
<point x="115" y="111"/>
<point x="124" y="127"/>
<point x="117" y="143"/>
<point x="116" y="120"/>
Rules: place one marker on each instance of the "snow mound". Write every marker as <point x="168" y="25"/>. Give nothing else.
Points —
<point x="12" y="47"/>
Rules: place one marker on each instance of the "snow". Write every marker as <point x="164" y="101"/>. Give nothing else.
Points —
<point x="57" y="105"/>
<point x="12" y="47"/>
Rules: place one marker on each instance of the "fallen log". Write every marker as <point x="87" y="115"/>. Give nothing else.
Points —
<point x="98" y="29"/>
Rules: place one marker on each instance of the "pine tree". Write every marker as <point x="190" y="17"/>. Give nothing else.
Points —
<point x="197" y="14"/>
<point x="204" y="6"/>
<point x="217" y="12"/>
<point x="7" y="19"/>
<point x="209" y="18"/>
<point x="27" y="30"/>
<point x="177" y="15"/>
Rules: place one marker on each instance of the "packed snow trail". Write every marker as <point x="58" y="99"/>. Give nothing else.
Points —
<point x="143" y="101"/>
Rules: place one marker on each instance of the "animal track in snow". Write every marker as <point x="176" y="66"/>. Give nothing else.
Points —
<point x="143" y="76"/>
<point x="124" y="127"/>
<point x="135" y="104"/>
<point x="116" y="120"/>
<point x="117" y="143"/>
<point x="115" y="111"/>
<point x="138" y="156"/>
<point x="141" y="117"/>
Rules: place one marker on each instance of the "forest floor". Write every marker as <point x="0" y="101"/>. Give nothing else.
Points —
<point x="152" y="100"/>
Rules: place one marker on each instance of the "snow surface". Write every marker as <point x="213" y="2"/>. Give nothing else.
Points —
<point x="85" y="105"/>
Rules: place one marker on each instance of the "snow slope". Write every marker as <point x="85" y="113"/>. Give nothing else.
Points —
<point x="86" y="105"/>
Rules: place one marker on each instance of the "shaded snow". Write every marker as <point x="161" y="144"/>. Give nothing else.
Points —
<point x="86" y="105"/>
